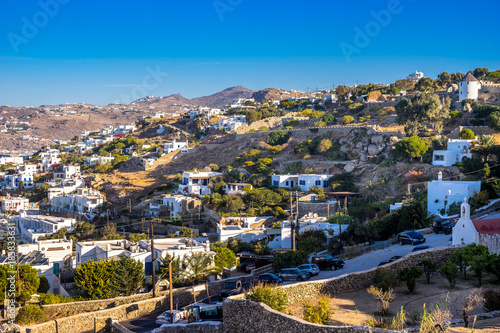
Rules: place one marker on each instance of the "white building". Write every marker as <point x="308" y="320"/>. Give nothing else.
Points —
<point x="233" y="123"/>
<point x="197" y="182"/>
<point x="456" y="151"/>
<point x="304" y="181"/>
<point x="84" y="201"/>
<point x="309" y="222"/>
<point x="34" y="226"/>
<point x="56" y="250"/>
<point x="170" y="147"/>
<point x="28" y="169"/>
<point x="469" y="88"/>
<point x="236" y="188"/>
<point x="178" y="205"/>
<point x="415" y="76"/>
<point x="68" y="172"/>
<point x="484" y="231"/>
<point x="63" y="186"/>
<point x="14" y="204"/>
<point x="94" y="159"/>
<point x="49" y="158"/>
<point x="11" y="160"/>
<point x="13" y="181"/>
<point x="442" y="193"/>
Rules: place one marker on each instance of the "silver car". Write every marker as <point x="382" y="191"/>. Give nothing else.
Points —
<point x="310" y="269"/>
<point x="164" y="318"/>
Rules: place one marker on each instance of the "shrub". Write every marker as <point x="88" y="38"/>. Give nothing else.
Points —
<point x="274" y="297"/>
<point x="467" y="133"/>
<point x="384" y="279"/>
<point x="318" y="314"/>
<point x="450" y="272"/>
<point x="56" y="299"/>
<point x="347" y="119"/>
<point x="294" y="167"/>
<point x="277" y="137"/>
<point x="44" y="284"/>
<point x="384" y="298"/>
<point x="319" y="124"/>
<point x="409" y="275"/>
<point x="30" y="315"/>
<point x="429" y="267"/>
<point x="491" y="300"/>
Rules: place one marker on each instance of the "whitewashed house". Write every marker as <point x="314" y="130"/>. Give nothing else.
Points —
<point x="11" y="160"/>
<point x="32" y="227"/>
<point x="14" y="204"/>
<point x="68" y="172"/>
<point x="304" y="181"/>
<point x="197" y="182"/>
<point x="442" y="193"/>
<point x="233" y="123"/>
<point x="484" y="231"/>
<point x="94" y="159"/>
<point x="415" y="76"/>
<point x="236" y="188"/>
<point x="84" y="201"/>
<point x="457" y="150"/>
<point x="170" y="147"/>
<point x="49" y="159"/>
<point x="177" y="205"/>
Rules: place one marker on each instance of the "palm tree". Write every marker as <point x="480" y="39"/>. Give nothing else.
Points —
<point x="485" y="147"/>
<point x="372" y="192"/>
<point x="198" y="266"/>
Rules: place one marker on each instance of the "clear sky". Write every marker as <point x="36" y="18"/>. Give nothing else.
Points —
<point x="56" y="51"/>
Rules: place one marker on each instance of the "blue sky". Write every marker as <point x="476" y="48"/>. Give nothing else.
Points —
<point x="104" y="51"/>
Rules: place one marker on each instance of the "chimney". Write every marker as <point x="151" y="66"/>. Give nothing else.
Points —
<point x="108" y="247"/>
<point x="440" y="176"/>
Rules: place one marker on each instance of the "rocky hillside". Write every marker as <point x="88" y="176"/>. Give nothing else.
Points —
<point x="224" y="97"/>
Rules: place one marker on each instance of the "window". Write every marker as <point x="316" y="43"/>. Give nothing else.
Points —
<point x="302" y="182"/>
<point x="325" y="183"/>
<point x="276" y="183"/>
<point x="438" y="157"/>
<point x="318" y="182"/>
<point x="195" y="181"/>
<point x="287" y="183"/>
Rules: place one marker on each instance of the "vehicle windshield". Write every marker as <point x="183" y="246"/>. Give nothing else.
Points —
<point x="303" y="267"/>
<point x="413" y="233"/>
<point x="230" y="285"/>
<point x="296" y="271"/>
<point x="328" y="257"/>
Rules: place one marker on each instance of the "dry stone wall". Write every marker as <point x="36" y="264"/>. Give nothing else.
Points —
<point x="249" y="317"/>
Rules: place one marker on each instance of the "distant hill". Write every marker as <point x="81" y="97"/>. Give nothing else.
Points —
<point x="223" y="98"/>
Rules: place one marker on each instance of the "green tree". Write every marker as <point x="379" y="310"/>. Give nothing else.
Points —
<point x="410" y="275"/>
<point x="410" y="148"/>
<point x="422" y="108"/>
<point x="494" y="265"/>
<point x="429" y="267"/>
<point x="94" y="278"/>
<point x="323" y="146"/>
<point x="224" y="258"/>
<point x="30" y="281"/>
<point x="44" y="284"/>
<point x="426" y="84"/>
<point x="450" y="272"/>
<point x="479" y="265"/>
<point x="197" y="267"/>
<point x="128" y="275"/>
<point x="187" y="233"/>
<point x="163" y="270"/>
<point x="278" y="137"/>
<point x="412" y="127"/>
<point x="135" y="238"/>
<point x="346" y="119"/>
<point x="259" y="198"/>
<point x="21" y="185"/>
<point x="288" y="259"/>
<point x="467" y="133"/>
<point x="312" y="240"/>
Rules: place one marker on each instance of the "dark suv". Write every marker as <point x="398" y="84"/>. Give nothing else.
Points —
<point x="410" y="237"/>
<point x="327" y="261"/>
<point x="442" y="225"/>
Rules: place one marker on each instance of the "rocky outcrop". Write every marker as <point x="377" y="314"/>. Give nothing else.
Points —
<point x="361" y="143"/>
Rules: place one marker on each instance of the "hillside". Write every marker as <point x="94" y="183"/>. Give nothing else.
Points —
<point x="224" y="97"/>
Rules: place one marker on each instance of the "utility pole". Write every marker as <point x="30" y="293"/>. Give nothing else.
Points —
<point x="107" y="216"/>
<point x="153" y="259"/>
<point x="170" y="288"/>
<point x="292" y="227"/>
<point x="297" y="226"/>
<point x="130" y="206"/>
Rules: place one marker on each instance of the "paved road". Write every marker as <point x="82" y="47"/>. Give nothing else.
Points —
<point x="372" y="259"/>
<point x="369" y="260"/>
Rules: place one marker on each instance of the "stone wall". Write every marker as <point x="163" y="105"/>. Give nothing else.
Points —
<point x="359" y="280"/>
<point x="248" y="317"/>
<point x="83" y="321"/>
<point x="478" y="130"/>
<point x="320" y="208"/>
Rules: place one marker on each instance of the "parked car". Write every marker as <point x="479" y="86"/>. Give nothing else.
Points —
<point x="410" y="237"/>
<point x="269" y="278"/>
<point x="442" y="225"/>
<point x="204" y="312"/>
<point x="310" y="269"/>
<point x="385" y="262"/>
<point x="293" y="274"/>
<point x="233" y="287"/>
<point x="250" y="266"/>
<point x="327" y="261"/>
<point x="421" y="247"/>
<point x="164" y="318"/>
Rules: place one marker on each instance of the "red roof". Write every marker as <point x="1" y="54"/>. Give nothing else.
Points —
<point x="487" y="226"/>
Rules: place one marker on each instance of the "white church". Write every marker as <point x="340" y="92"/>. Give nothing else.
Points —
<point x="480" y="231"/>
